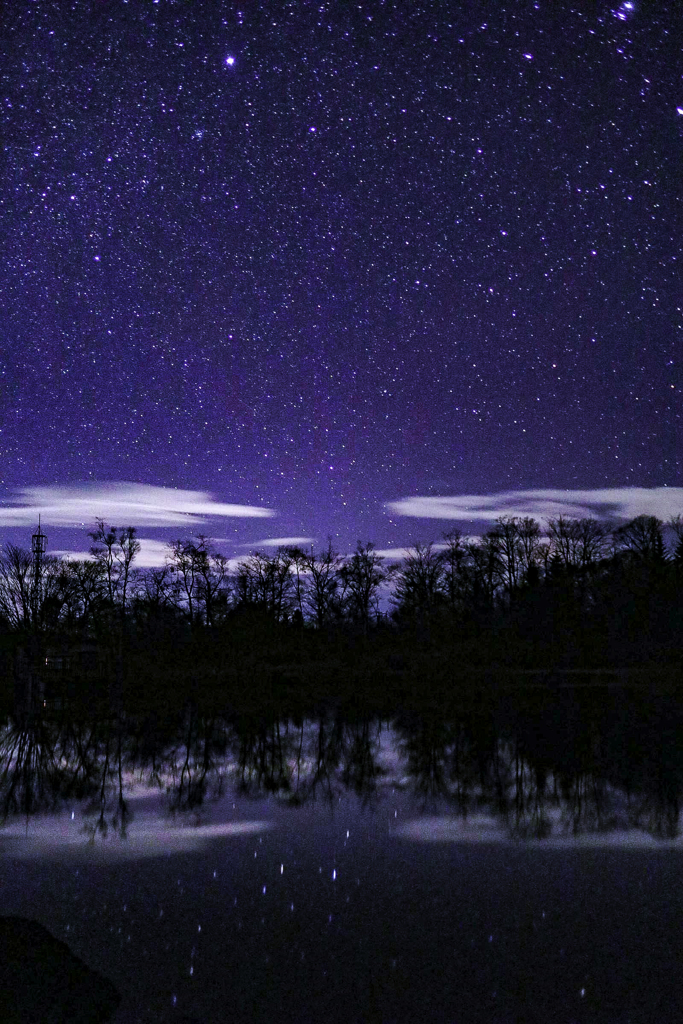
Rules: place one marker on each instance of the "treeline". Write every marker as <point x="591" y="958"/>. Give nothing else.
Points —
<point x="577" y="595"/>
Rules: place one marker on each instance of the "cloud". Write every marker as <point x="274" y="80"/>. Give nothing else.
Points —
<point x="610" y="503"/>
<point x="121" y="504"/>
<point x="398" y="554"/>
<point x="57" y="839"/>
<point x="481" y="828"/>
<point x="152" y="554"/>
<point x="279" y="542"/>
<point x="392" y="554"/>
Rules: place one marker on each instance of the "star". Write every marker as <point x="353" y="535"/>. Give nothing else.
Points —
<point x="196" y="296"/>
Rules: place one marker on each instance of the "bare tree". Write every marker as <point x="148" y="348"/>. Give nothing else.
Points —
<point x="155" y="587"/>
<point x="564" y="541"/>
<point x="529" y="547"/>
<point x="115" y="550"/>
<point x="593" y="542"/>
<point x="456" y="578"/>
<point x="155" y="595"/>
<point x="363" y="576"/>
<point x="212" y="579"/>
<point x="24" y="599"/>
<point x="82" y="584"/>
<point x="267" y="581"/>
<point x="299" y="567"/>
<point x="184" y="558"/>
<point x="676" y="525"/>
<point x="643" y="537"/>
<point x="579" y="544"/>
<point x="419" y="582"/>
<point x="16" y="586"/>
<point x="323" y="590"/>
<point x="505" y="538"/>
<point x="486" y="569"/>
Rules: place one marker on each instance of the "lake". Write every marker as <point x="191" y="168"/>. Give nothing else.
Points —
<point x="516" y="863"/>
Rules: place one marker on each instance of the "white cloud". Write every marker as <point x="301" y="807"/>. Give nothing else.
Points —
<point x="612" y="503"/>
<point x="391" y="554"/>
<point x="68" y="553"/>
<point x="121" y="504"/>
<point x="152" y="554"/>
<point x="398" y="554"/>
<point x="279" y="542"/>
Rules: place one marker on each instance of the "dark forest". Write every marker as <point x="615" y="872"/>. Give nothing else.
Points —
<point x="295" y="624"/>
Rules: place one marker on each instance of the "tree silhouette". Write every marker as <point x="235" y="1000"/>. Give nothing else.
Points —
<point x="362" y="577"/>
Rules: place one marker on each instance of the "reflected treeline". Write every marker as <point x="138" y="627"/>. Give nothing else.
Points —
<point x="542" y="763"/>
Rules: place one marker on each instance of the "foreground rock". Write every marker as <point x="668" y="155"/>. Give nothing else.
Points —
<point x="42" y="982"/>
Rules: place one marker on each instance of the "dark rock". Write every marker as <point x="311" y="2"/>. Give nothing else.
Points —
<point x="42" y="982"/>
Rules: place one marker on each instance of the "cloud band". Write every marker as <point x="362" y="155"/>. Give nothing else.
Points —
<point x="122" y="504"/>
<point x="610" y="503"/>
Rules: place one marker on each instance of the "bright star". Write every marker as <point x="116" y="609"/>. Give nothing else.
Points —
<point x="230" y="61"/>
<point x="624" y="11"/>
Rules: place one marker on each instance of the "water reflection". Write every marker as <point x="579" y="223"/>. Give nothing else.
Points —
<point x="536" y="765"/>
<point x="152" y="837"/>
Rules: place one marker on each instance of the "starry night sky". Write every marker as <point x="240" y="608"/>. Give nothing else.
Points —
<point x="319" y="257"/>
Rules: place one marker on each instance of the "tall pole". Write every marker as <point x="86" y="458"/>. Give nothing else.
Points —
<point x="38" y="547"/>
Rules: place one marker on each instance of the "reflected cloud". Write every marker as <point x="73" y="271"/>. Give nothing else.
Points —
<point x="610" y="503"/>
<point x="483" y="829"/>
<point x="56" y="839"/>
<point x="122" y="504"/>
<point x="473" y="829"/>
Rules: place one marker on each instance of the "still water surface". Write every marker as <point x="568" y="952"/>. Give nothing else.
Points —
<point x="442" y="887"/>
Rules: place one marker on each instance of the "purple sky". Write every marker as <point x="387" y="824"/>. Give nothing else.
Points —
<point x="333" y="260"/>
